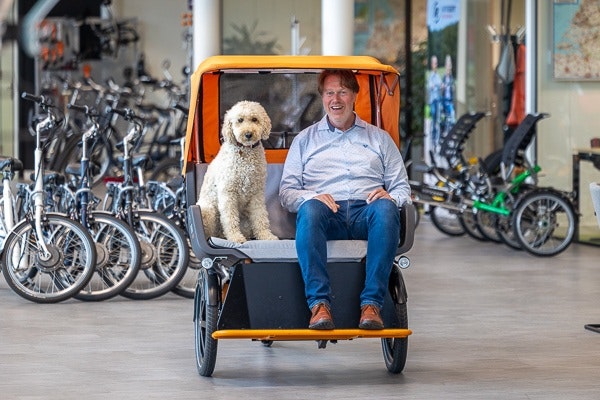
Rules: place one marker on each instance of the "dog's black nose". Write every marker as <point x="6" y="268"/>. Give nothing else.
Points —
<point x="248" y="135"/>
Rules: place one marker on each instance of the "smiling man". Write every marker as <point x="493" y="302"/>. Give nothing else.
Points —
<point x="346" y="179"/>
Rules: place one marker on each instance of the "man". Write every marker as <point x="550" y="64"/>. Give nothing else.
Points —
<point x="434" y="86"/>
<point x="346" y="179"/>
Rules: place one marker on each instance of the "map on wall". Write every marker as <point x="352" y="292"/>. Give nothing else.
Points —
<point x="576" y="53"/>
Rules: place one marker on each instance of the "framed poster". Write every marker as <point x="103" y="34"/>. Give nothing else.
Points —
<point x="576" y="49"/>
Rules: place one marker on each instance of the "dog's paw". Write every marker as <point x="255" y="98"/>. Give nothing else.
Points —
<point x="266" y="236"/>
<point x="238" y="238"/>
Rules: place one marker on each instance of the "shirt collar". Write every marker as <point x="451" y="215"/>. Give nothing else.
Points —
<point x="331" y="128"/>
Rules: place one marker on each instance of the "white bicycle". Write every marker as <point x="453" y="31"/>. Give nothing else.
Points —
<point x="47" y="257"/>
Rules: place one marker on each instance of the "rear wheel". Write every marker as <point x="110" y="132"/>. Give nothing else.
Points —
<point x="487" y="223"/>
<point x="446" y="221"/>
<point x="205" y="322"/>
<point x="469" y="224"/>
<point x="544" y="222"/>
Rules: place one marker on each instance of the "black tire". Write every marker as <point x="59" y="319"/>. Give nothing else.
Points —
<point x="165" y="256"/>
<point x="118" y="260"/>
<point x="487" y="223"/>
<point x="395" y="350"/>
<point x="544" y="221"/>
<point x="67" y="269"/>
<point x="506" y="232"/>
<point x="469" y="223"/>
<point x="446" y="221"/>
<point x="205" y="322"/>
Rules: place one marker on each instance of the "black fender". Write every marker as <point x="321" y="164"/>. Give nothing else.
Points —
<point x="397" y="287"/>
<point x="213" y="292"/>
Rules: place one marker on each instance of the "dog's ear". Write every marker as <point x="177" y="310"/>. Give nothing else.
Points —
<point x="266" y="125"/>
<point x="227" y="129"/>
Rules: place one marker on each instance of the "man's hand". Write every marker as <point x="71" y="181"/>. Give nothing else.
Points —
<point x="328" y="200"/>
<point x="379" y="193"/>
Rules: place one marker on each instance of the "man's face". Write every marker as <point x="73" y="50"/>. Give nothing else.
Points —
<point x="338" y="102"/>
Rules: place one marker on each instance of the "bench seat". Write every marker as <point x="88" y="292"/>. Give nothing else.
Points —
<point x="283" y="225"/>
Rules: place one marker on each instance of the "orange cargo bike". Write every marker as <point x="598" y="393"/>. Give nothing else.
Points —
<point x="255" y="290"/>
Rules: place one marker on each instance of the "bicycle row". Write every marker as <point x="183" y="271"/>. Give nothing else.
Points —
<point x="161" y="104"/>
<point x="497" y="198"/>
<point x="69" y="243"/>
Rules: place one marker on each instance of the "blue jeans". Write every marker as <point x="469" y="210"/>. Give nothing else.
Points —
<point x="377" y="222"/>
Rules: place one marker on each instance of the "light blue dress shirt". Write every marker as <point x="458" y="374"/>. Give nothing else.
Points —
<point x="347" y="165"/>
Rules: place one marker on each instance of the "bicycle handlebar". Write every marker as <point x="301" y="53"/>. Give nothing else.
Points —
<point x="36" y="99"/>
<point x="83" y="109"/>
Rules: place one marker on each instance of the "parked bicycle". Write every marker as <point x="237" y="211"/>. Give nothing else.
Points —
<point x="540" y="220"/>
<point x="47" y="257"/>
<point x="165" y="253"/>
<point x="117" y="246"/>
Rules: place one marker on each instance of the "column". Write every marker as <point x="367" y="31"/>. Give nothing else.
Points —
<point x="337" y="27"/>
<point x="207" y="29"/>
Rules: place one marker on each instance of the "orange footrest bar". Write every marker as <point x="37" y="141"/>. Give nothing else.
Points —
<point x="309" y="334"/>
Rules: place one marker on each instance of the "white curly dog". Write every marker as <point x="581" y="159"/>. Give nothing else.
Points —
<point x="232" y="196"/>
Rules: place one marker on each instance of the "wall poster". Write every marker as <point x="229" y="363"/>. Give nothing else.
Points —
<point x="440" y="90"/>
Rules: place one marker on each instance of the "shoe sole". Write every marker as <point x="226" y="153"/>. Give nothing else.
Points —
<point x="322" y="325"/>
<point x="373" y="325"/>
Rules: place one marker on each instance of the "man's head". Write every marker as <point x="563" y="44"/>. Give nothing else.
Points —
<point x="434" y="62"/>
<point x="338" y="89"/>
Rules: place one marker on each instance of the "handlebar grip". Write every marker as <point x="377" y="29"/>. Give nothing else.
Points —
<point x="83" y="109"/>
<point x="34" y="98"/>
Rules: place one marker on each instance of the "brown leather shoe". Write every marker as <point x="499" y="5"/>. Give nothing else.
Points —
<point x="321" y="317"/>
<point x="370" y="317"/>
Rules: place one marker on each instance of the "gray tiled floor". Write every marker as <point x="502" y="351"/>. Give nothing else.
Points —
<point x="488" y="322"/>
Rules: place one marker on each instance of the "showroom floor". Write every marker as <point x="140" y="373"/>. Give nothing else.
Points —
<point x="488" y="323"/>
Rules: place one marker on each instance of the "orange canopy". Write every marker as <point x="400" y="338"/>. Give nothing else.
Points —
<point x="377" y="102"/>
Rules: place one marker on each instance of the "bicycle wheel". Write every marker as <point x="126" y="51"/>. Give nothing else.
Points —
<point x="469" y="224"/>
<point x="544" y="222"/>
<point x="52" y="277"/>
<point x="395" y="350"/>
<point x="506" y="232"/>
<point x="446" y="221"/>
<point x="205" y="322"/>
<point x="486" y="223"/>
<point x="118" y="257"/>
<point x="165" y="256"/>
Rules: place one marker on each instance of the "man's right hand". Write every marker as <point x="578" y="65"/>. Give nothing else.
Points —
<point x="328" y="200"/>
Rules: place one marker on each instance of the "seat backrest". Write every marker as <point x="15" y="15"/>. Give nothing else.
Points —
<point x="283" y="222"/>
<point x="453" y="143"/>
<point x="519" y="140"/>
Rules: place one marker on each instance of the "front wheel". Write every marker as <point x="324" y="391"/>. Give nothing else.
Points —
<point x="544" y="222"/>
<point x="118" y="257"/>
<point x="206" y="312"/>
<point x="53" y="277"/>
<point x="165" y="256"/>
<point x="395" y="350"/>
